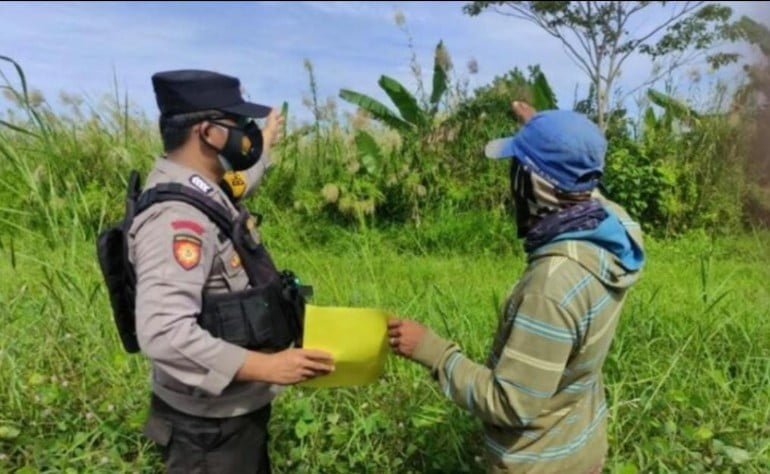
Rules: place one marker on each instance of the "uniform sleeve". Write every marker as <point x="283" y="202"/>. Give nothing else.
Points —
<point x="173" y="254"/>
<point x="526" y="373"/>
<point x="255" y="174"/>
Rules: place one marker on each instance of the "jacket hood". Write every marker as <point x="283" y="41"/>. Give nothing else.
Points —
<point x="613" y="252"/>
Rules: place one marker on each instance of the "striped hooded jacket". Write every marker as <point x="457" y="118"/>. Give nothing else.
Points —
<point x="540" y="394"/>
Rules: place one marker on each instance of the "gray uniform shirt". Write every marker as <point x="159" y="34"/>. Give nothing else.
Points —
<point x="177" y="255"/>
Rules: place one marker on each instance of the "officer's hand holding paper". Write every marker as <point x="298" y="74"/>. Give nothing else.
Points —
<point x="355" y="337"/>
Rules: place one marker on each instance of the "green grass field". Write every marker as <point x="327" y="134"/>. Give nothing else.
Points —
<point x="688" y="375"/>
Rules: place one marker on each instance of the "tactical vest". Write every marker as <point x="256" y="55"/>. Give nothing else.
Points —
<point x="267" y="316"/>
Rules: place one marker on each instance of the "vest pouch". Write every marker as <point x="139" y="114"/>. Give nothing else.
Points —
<point x="293" y="300"/>
<point x="262" y="314"/>
<point x="282" y="335"/>
<point x="117" y="277"/>
<point x="268" y="316"/>
<point x="253" y="319"/>
<point x="225" y="319"/>
<point x="117" y="271"/>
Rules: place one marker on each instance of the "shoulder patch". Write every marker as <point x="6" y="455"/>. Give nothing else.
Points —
<point x="200" y="183"/>
<point x="188" y="225"/>
<point x="187" y="251"/>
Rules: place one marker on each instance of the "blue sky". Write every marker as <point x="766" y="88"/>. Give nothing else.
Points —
<point x="75" y="47"/>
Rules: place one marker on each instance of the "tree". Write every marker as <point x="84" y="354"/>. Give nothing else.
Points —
<point x="758" y="35"/>
<point x="753" y="100"/>
<point x="600" y="36"/>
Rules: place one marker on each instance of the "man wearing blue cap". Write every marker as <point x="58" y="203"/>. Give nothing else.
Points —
<point x="540" y="393"/>
<point x="212" y="313"/>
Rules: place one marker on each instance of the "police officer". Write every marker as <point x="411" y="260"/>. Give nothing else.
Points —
<point x="211" y="398"/>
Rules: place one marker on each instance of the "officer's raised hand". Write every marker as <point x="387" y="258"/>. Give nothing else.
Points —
<point x="287" y="367"/>
<point x="523" y="111"/>
<point x="271" y="134"/>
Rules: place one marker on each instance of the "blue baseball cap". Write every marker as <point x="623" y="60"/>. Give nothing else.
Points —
<point x="563" y="147"/>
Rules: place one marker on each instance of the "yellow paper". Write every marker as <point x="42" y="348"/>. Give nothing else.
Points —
<point x="356" y="338"/>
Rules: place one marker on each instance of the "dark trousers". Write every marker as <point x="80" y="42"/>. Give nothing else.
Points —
<point x="198" y="445"/>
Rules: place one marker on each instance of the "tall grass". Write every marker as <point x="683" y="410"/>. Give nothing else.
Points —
<point x="688" y="376"/>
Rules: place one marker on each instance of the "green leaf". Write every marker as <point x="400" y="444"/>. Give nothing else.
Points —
<point x="404" y="100"/>
<point x="18" y="129"/>
<point x="756" y="33"/>
<point x="670" y="427"/>
<point x="440" y="79"/>
<point x="377" y="110"/>
<point x="136" y="419"/>
<point x="9" y="432"/>
<point x="22" y="77"/>
<point x="369" y="151"/>
<point x="285" y="115"/>
<point x="366" y="144"/>
<point x="703" y="433"/>
<point x="25" y="95"/>
<point x="676" y="108"/>
<point x="543" y="97"/>
<point x="650" y="121"/>
<point x="719" y="378"/>
<point x="37" y="379"/>
<point x="333" y="418"/>
<point x="628" y="468"/>
<point x="735" y="454"/>
<point x="301" y="429"/>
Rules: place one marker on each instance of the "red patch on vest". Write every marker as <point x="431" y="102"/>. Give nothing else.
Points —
<point x="188" y="225"/>
<point x="187" y="251"/>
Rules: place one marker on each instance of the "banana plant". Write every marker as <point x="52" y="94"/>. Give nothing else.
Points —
<point x="543" y="97"/>
<point x="409" y="117"/>
<point x="674" y="108"/>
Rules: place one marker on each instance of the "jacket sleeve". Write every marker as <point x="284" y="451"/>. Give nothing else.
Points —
<point x="173" y="253"/>
<point x="525" y="373"/>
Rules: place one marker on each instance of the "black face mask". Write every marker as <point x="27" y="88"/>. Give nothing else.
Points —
<point x="522" y="193"/>
<point x="243" y="147"/>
